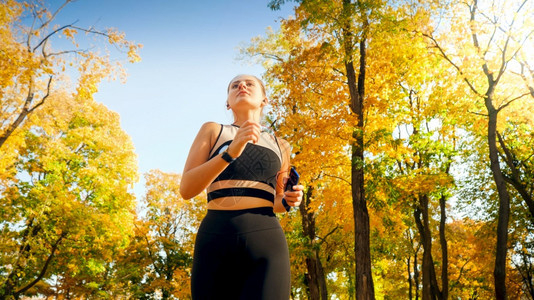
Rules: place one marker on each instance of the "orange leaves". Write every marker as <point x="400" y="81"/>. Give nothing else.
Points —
<point x="69" y="32"/>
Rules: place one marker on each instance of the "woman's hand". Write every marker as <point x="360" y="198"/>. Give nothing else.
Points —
<point x="248" y="132"/>
<point x="294" y="197"/>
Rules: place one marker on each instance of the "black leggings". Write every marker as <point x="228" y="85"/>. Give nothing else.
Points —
<point x="240" y="255"/>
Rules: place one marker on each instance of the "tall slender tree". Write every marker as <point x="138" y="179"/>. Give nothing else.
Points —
<point x="495" y="34"/>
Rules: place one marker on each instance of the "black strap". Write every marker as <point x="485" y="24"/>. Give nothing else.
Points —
<point x="241" y="192"/>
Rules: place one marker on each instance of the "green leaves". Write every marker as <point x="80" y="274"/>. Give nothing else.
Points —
<point x="73" y="182"/>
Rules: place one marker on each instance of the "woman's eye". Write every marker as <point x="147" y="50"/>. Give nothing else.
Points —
<point x="235" y="86"/>
<point x="250" y="84"/>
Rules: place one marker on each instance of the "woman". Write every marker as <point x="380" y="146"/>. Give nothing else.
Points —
<point x="240" y="249"/>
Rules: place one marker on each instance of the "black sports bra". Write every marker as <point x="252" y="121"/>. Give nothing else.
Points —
<point x="253" y="173"/>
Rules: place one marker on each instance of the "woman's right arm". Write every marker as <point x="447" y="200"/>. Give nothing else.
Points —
<point x="199" y="172"/>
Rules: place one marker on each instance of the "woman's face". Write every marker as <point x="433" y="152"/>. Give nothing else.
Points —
<point x="246" y="91"/>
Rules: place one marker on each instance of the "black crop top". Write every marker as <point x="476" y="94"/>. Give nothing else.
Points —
<point x="253" y="173"/>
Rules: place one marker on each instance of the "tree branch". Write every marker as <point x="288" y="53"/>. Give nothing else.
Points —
<point x="444" y="55"/>
<point x="337" y="177"/>
<point x="524" y="77"/>
<point x="44" y="97"/>
<point x="45" y="267"/>
<point x="512" y="100"/>
<point x="323" y="240"/>
<point x="65" y="52"/>
<point x="51" y="34"/>
<point x="54" y="14"/>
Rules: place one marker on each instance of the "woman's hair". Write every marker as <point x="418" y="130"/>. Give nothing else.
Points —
<point x="257" y="79"/>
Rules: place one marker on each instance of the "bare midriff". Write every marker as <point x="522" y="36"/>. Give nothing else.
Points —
<point x="237" y="203"/>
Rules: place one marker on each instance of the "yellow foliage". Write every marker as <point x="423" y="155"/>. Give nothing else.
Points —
<point x="169" y="226"/>
<point x="76" y="168"/>
<point x="31" y="69"/>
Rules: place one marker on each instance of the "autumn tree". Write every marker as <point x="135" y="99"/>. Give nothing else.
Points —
<point x="331" y="29"/>
<point x="348" y="24"/>
<point x="470" y="250"/>
<point x="30" y="67"/>
<point x="304" y="85"/>
<point x="488" y="40"/>
<point x="320" y="228"/>
<point x="66" y="167"/>
<point x="167" y="239"/>
<point x="421" y="127"/>
<point x="70" y="207"/>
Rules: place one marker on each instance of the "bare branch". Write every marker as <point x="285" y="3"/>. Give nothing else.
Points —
<point x="474" y="37"/>
<point x="271" y="56"/>
<point x="323" y="239"/>
<point x="337" y="177"/>
<point x="66" y="52"/>
<point x="512" y="100"/>
<point x="29" y="38"/>
<point x="54" y="15"/>
<point x="444" y="55"/>
<point x="524" y="77"/>
<point x="462" y="270"/>
<point x="44" y="97"/>
<point x="478" y="114"/>
<point x="51" y="34"/>
<point x="495" y="27"/>
<point x="91" y="30"/>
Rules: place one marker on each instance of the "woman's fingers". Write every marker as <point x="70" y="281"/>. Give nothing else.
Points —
<point x="248" y="132"/>
<point x="294" y="197"/>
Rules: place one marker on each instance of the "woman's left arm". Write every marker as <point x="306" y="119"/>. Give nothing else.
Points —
<point x="294" y="197"/>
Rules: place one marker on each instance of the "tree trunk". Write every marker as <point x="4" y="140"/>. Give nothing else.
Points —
<point x="410" y="282"/>
<point x="413" y="280"/>
<point x="444" y="251"/>
<point x="25" y="110"/>
<point x="321" y="276"/>
<point x="526" y="270"/>
<point x="362" y="248"/>
<point x="315" y="277"/>
<point x="499" y="271"/>
<point x="416" y="273"/>
<point x="515" y="178"/>
<point x="430" y="284"/>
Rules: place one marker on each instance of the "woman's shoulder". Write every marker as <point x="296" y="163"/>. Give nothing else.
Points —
<point x="282" y="142"/>
<point x="210" y="127"/>
<point x="285" y="147"/>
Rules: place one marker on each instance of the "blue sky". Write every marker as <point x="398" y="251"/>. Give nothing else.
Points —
<point x="189" y="55"/>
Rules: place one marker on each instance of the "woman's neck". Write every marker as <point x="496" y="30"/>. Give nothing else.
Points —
<point x="241" y="118"/>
